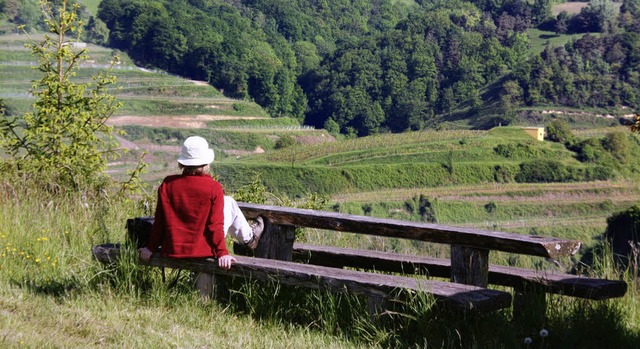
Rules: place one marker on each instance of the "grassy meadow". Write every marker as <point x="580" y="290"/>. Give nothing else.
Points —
<point x="49" y="282"/>
<point x="540" y="39"/>
<point x="54" y="295"/>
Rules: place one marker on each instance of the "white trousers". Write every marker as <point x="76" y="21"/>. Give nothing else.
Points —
<point x="234" y="221"/>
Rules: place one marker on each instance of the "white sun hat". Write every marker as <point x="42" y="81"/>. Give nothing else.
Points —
<point x="195" y="152"/>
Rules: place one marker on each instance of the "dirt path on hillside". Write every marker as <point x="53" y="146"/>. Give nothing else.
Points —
<point x="147" y="147"/>
<point x="174" y="121"/>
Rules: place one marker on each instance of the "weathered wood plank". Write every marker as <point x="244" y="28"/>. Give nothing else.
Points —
<point x="470" y="266"/>
<point x="437" y="233"/>
<point x="518" y="278"/>
<point x="276" y="242"/>
<point x="370" y="284"/>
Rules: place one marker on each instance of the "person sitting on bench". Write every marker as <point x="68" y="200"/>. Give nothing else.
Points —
<point x="193" y="216"/>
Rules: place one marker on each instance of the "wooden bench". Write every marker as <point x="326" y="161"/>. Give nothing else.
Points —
<point x="518" y="278"/>
<point x="467" y="267"/>
<point x="469" y="260"/>
<point x="374" y="285"/>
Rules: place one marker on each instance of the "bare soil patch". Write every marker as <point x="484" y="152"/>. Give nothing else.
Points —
<point x="236" y="152"/>
<point x="569" y="7"/>
<point x="199" y="83"/>
<point x="175" y="121"/>
<point x="322" y="138"/>
<point x="573" y="8"/>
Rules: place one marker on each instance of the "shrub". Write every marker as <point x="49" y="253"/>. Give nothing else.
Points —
<point x="423" y="207"/>
<point x="622" y="234"/>
<point x="332" y="127"/>
<point x="598" y="173"/>
<point x="559" y="131"/>
<point x="516" y="150"/>
<point x="591" y="150"/>
<point x="490" y="207"/>
<point x="239" y="107"/>
<point x="547" y="171"/>
<point x="542" y="171"/>
<point x="505" y="174"/>
<point x="617" y="143"/>
<point x="285" y="142"/>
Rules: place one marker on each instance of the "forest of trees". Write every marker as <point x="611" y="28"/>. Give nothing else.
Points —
<point x="361" y="67"/>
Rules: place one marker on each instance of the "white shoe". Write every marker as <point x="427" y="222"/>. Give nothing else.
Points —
<point x="256" y="227"/>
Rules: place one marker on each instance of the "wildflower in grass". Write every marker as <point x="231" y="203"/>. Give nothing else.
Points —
<point x="544" y="333"/>
<point x="528" y="341"/>
<point x="37" y="260"/>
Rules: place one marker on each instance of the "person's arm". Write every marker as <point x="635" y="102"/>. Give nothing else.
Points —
<point x="159" y="222"/>
<point x="215" y="223"/>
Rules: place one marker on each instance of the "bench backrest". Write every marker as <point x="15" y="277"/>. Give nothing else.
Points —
<point x="475" y="238"/>
<point x="469" y="247"/>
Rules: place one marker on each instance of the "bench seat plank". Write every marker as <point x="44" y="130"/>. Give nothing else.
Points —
<point x="552" y="281"/>
<point x="296" y="274"/>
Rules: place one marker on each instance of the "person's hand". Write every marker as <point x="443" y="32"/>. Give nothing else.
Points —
<point x="144" y="254"/>
<point x="225" y="262"/>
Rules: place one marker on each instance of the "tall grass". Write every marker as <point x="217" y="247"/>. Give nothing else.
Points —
<point x="49" y="282"/>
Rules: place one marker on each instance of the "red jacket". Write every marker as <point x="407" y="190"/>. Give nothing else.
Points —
<point x="189" y="218"/>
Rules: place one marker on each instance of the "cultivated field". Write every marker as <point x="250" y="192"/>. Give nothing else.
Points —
<point x="158" y="110"/>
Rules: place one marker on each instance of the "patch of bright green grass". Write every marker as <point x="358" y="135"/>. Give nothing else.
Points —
<point x="540" y="39"/>
<point x="92" y="6"/>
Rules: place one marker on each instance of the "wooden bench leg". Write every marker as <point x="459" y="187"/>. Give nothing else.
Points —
<point x="208" y="285"/>
<point x="529" y="304"/>
<point x="276" y="242"/>
<point x="375" y="305"/>
<point x="470" y="266"/>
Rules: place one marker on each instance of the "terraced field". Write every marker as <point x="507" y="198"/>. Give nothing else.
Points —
<point x="396" y="169"/>
<point x="158" y="111"/>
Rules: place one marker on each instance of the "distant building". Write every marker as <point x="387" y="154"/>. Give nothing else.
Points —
<point x="535" y="132"/>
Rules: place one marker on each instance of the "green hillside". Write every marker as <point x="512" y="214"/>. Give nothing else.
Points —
<point x="499" y="179"/>
<point x="409" y="160"/>
<point x="465" y="164"/>
<point x="158" y="109"/>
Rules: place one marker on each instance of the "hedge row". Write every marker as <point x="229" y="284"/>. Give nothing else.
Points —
<point x="301" y="180"/>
